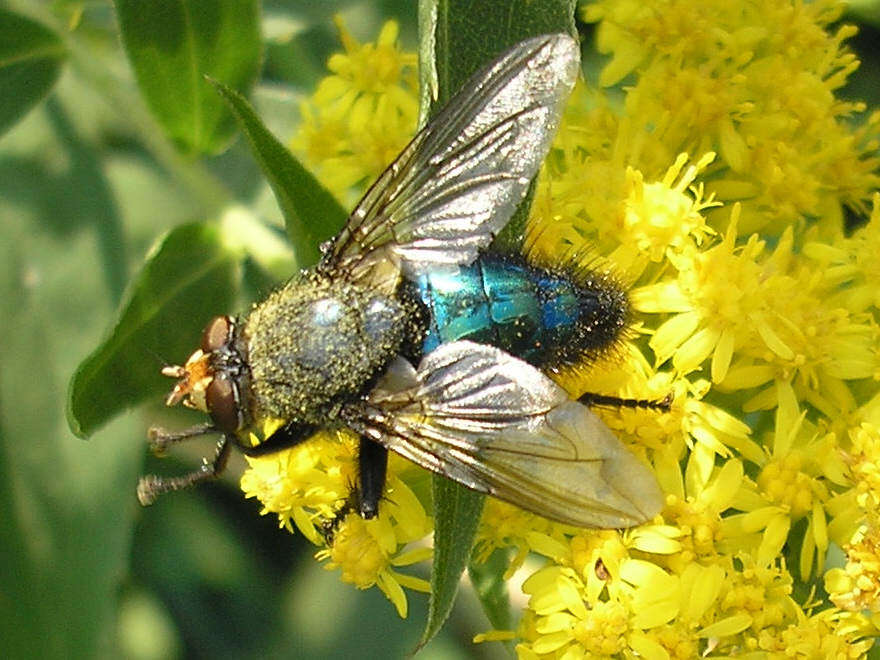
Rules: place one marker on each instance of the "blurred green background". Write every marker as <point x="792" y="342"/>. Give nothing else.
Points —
<point x="87" y="183"/>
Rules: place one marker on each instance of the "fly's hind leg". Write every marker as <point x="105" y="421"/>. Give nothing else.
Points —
<point x="151" y="485"/>
<point x="590" y="399"/>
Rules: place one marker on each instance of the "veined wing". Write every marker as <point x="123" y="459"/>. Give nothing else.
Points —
<point x="461" y="178"/>
<point x="496" y="424"/>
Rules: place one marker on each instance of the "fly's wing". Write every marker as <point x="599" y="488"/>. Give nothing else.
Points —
<point x="461" y="178"/>
<point x="496" y="424"/>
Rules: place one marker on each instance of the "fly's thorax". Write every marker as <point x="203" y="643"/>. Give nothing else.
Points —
<point x="318" y="342"/>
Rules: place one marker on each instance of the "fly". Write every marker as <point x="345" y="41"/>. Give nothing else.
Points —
<point x="413" y="336"/>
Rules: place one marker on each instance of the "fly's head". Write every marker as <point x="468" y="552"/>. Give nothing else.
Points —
<point x="214" y="378"/>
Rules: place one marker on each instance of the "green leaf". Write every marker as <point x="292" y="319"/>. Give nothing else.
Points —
<point x="67" y="505"/>
<point x="174" y="44"/>
<point x="467" y="35"/>
<point x="30" y="60"/>
<point x="189" y="278"/>
<point x="457" y="513"/>
<point x="491" y="587"/>
<point x="456" y="38"/>
<point x="867" y="11"/>
<point x="311" y="214"/>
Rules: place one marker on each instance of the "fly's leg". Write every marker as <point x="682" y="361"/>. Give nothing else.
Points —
<point x="286" y="437"/>
<point x="329" y="526"/>
<point x="151" y="485"/>
<point x="590" y="399"/>
<point x="372" y="468"/>
<point x="160" y="439"/>
<point x="364" y="497"/>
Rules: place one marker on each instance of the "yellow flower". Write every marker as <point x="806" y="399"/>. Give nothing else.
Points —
<point x="796" y="480"/>
<point x="851" y="265"/>
<point x="759" y="595"/>
<point x="759" y="318"/>
<point x="504" y="525"/>
<point x="695" y="506"/>
<point x="856" y="587"/>
<point x="827" y="634"/>
<point x="707" y="78"/>
<point x="563" y="621"/>
<point x="360" y="117"/>
<point x="864" y="458"/>
<point x="304" y="484"/>
<point x="375" y="68"/>
<point x="660" y="216"/>
<point x="366" y="552"/>
<point x="309" y="485"/>
<point x="714" y="299"/>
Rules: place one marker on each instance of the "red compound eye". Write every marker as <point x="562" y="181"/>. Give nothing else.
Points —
<point x="216" y="334"/>
<point x="222" y="403"/>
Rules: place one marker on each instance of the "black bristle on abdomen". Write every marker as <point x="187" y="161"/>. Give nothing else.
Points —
<point x="603" y="318"/>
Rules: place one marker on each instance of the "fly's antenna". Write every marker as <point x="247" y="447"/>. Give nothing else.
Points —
<point x="157" y="357"/>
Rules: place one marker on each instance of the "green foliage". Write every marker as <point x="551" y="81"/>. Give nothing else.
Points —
<point x="491" y="587"/>
<point x="30" y="60"/>
<point x="173" y="44"/>
<point x="122" y="158"/>
<point x="187" y="279"/>
<point x="311" y="214"/>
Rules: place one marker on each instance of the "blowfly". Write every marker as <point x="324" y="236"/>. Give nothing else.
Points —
<point x="413" y="335"/>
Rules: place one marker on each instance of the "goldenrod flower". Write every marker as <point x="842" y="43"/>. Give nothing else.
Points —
<point x="796" y="480"/>
<point x="360" y="117"/>
<point x="709" y="77"/>
<point x="366" y="551"/>
<point x="304" y="484"/>
<point x="851" y="264"/>
<point x="713" y="181"/>
<point x="506" y="526"/>
<point x="309" y="485"/>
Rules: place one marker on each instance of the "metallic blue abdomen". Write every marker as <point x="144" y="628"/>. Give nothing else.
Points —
<point x="539" y="316"/>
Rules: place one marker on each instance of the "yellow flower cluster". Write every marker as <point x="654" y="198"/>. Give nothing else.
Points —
<point x="755" y="310"/>
<point x="752" y="81"/>
<point x="309" y="485"/>
<point x="362" y="115"/>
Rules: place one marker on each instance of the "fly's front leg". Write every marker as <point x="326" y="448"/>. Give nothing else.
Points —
<point x="151" y="485"/>
<point x="289" y="435"/>
<point x="160" y="439"/>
